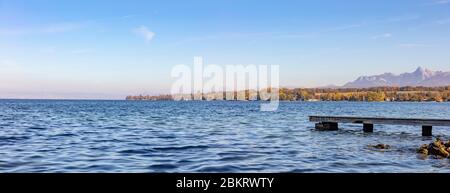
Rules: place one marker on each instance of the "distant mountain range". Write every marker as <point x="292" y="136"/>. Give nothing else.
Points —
<point x="420" y="77"/>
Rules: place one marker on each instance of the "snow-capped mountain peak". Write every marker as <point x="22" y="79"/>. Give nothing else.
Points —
<point x="420" y="77"/>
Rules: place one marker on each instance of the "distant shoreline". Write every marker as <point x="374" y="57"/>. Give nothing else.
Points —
<point x="35" y="99"/>
<point x="284" y="101"/>
<point x="375" y="94"/>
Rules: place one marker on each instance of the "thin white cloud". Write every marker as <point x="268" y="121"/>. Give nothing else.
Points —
<point x="436" y="2"/>
<point x="62" y="27"/>
<point x="443" y="21"/>
<point x="129" y="16"/>
<point x="381" y="36"/>
<point x="217" y="36"/>
<point x="296" y="36"/>
<point x="256" y="35"/>
<point x="442" y="2"/>
<point x="346" y="27"/>
<point x="403" y="18"/>
<point x="145" y="33"/>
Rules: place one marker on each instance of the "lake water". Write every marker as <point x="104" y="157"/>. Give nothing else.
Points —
<point x="146" y="136"/>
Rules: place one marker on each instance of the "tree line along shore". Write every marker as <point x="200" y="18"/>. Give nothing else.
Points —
<point x="376" y="94"/>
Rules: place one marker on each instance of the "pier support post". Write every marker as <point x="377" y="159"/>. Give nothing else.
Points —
<point x="368" y="128"/>
<point x="427" y="130"/>
<point x="327" y="126"/>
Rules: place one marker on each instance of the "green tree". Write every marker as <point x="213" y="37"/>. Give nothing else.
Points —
<point x="376" y="96"/>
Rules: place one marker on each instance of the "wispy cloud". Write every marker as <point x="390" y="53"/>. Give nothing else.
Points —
<point x="403" y="18"/>
<point x="62" y="27"/>
<point x="441" y="2"/>
<point x="381" y="36"/>
<point x="346" y="27"/>
<point x="145" y="33"/>
<point x="436" y="2"/>
<point x="443" y="21"/>
<point x="221" y="36"/>
<point x="249" y="35"/>
<point x="129" y="16"/>
<point x="297" y="36"/>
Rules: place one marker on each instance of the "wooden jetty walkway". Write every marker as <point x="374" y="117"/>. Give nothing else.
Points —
<point x="331" y="122"/>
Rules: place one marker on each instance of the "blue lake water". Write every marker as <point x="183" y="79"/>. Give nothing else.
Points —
<point x="146" y="136"/>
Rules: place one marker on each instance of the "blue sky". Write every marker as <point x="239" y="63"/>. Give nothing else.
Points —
<point x="108" y="49"/>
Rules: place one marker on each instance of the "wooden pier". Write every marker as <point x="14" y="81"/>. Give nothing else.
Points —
<point x="331" y="122"/>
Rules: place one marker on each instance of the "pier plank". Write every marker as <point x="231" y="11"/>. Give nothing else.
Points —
<point x="331" y="122"/>
<point x="381" y="120"/>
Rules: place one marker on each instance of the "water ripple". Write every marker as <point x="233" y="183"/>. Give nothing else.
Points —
<point x="220" y="136"/>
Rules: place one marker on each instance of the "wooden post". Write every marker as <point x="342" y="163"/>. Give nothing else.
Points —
<point x="368" y="128"/>
<point x="327" y="126"/>
<point x="427" y="130"/>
